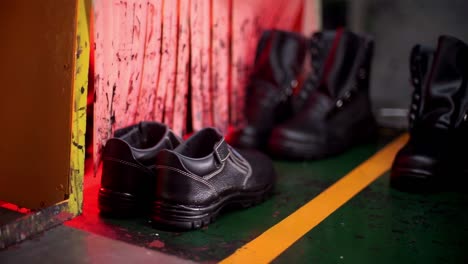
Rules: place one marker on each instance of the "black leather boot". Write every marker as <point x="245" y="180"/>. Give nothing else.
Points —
<point x="336" y="114"/>
<point x="435" y="155"/>
<point x="277" y="68"/>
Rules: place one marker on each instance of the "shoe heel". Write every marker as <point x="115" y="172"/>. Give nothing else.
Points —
<point x="117" y="204"/>
<point x="177" y="217"/>
<point x="180" y="217"/>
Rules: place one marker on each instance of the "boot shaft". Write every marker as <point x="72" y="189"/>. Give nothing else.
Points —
<point x="278" y="63"/>
<point x="279" y="57"/>
<point x="445" y="91"/>
<point x="342" y="71"/>
<point x="349" y="59"/>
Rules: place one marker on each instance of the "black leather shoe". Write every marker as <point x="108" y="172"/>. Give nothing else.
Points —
<point x="336" y="114"/>
<point x="434" y="157"/>
<point x="127" y="181"/>
<point x="277" y="69"/>
<point x="204" y="175"/>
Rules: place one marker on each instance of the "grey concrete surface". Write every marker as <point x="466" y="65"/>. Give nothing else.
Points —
<point x="68" y="245"/>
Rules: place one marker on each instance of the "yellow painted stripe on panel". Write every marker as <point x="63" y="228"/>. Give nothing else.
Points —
<point x="77" y="156"/>
<point x="278" y="238"/>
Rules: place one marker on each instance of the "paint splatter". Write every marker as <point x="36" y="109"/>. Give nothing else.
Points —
<point x="165" y="58"/>
<point x="156" y="244"/>
<point x="276" y="213"/>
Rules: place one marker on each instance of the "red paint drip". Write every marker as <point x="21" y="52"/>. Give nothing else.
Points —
<point x="157" y="244"/>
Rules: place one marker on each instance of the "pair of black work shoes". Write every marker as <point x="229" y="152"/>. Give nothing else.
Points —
<point x="181" y="185"/>
<point x="308" y="98"/>
<point x="435" y="156"/>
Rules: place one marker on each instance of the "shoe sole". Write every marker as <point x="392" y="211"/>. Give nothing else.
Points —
<point x="285" y="148"/>
<point x="293" y="150"/>
<point x="409" y="180"/>
<point x="418" y="181"/>
<point x="117" y="204"/>
<point x="182" y="217"/>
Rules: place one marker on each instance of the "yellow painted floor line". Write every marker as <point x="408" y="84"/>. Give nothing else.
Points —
<point x="278" y="238"/>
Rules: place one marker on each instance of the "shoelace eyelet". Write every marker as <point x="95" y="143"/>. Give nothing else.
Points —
<point x="347" y="95"/>
<point x="294" y="83"/>
<point x="339" y="103"/>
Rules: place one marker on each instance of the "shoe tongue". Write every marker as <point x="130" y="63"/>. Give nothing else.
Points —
<point x="446" y="95"/>
<point x="147" y="140"/>
<point x="325" y="39"/>
<point x="420" y="61"/>
<point x="340" y="61"/>
<point x="280" y="56"/>
<point x="201" y="143"/>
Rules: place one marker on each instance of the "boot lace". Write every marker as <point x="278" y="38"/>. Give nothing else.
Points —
<point x="316" y="57"/>
<point x="417" y="91"/>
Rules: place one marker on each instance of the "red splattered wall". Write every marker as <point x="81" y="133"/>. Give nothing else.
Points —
<point x="182" y="62"/>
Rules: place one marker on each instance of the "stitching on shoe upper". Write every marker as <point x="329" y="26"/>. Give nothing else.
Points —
<point x="249" y="172"/>
<point x="192" y="176"/>
<point x="238" y="162"/>
<point x="238" y="167"/>
<point x="146" y="170"/>
<point x="209" y="176"/>
<point x="245" y="172"/>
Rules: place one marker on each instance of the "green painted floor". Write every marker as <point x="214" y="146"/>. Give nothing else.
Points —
<point x="382" y="225"/>
<point x="379" y="225"/>
<point x="298" y="183"/>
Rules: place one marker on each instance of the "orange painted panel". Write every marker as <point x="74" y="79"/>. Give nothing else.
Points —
<point x="37" y="68"/>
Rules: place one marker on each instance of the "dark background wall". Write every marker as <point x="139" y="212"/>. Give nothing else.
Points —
<point x="396" y="26"/>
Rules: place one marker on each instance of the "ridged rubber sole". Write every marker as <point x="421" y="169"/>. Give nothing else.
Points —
<point x="184" y="217"/>
<point x="117" y="204"/>
<point x="292" y="150"/>
<point x="284" y="148"/>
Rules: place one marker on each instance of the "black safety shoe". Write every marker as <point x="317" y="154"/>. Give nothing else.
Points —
<point x="127" y="181"/>
<point x="434" y="158"/>
<point x="204" y="175"/>
<point x="277" y="72"/>
<point x="334" y="113"/>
